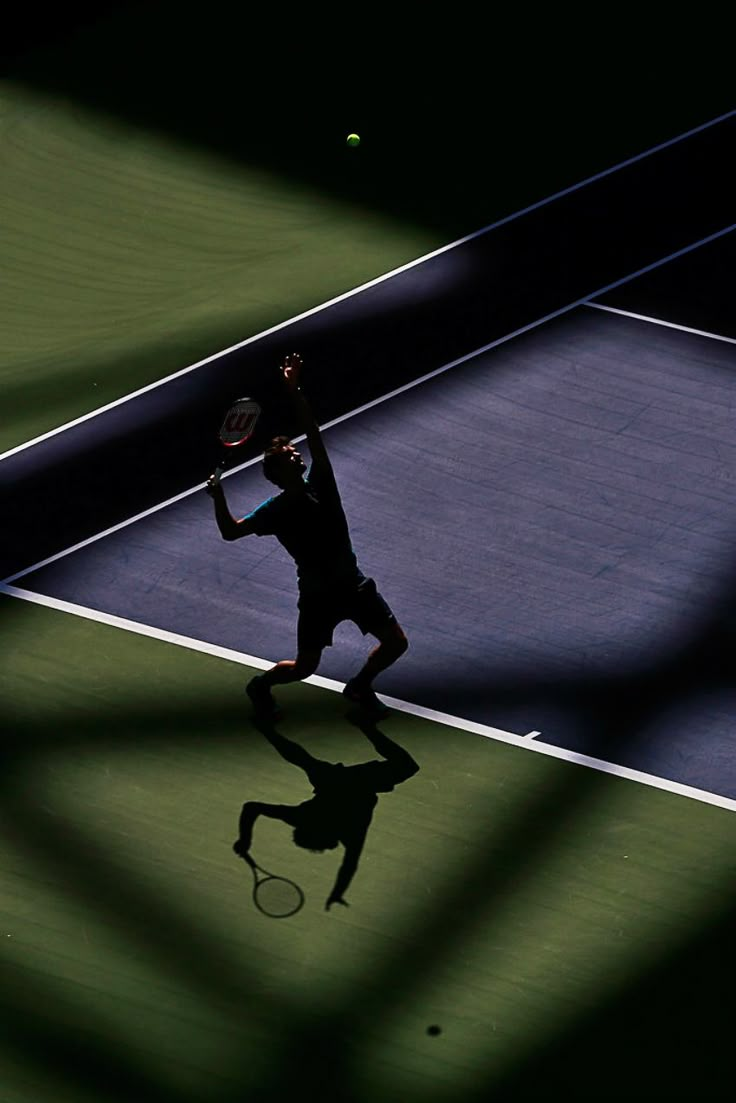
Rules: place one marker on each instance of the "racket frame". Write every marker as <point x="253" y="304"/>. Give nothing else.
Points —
<point x="249" y="429"/>
<point x="267" y="876"/>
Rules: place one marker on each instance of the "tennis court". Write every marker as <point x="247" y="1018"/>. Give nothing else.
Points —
<point x="532" y="429"/>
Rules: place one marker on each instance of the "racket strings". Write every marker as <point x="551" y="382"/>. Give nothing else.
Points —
<point x="278" y="897"/>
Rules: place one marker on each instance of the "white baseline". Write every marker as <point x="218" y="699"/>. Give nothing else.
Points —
<point x="524" y="741"/>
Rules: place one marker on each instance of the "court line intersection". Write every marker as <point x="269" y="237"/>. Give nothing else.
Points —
<point x="661" y="322"/>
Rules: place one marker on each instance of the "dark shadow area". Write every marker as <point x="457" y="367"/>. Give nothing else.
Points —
<point x="141" y="719"/>
<point x="58" y="1042"/>
<point x="26" y="29"/>
<point x="341" y="810"/>
<point x="667" y="1035"/>
<point x="695" y="291"/>
<point x="463" y="118"/>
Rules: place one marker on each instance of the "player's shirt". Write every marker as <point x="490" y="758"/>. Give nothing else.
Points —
<point x="313" y="529"/>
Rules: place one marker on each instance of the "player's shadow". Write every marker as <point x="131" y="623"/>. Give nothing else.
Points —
<point x="341" y="809"/>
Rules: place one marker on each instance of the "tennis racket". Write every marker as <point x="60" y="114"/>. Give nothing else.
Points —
<point x="238" y="426"/>
<point x="277" y="897"/>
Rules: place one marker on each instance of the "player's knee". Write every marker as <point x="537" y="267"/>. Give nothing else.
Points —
<point x="306" y="663"/>
<point x="399" y="641"/>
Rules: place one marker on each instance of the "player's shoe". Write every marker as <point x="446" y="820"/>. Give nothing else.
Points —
<point x="365" y="699"/>
<point x="260" y="694"/>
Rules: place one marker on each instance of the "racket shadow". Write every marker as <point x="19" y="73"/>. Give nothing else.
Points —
<point x="275" y="896"/>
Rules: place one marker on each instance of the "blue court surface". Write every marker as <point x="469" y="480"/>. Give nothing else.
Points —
<point x="541" y="482"/>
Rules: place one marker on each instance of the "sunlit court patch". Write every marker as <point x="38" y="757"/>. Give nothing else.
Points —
<point x="127" y="255"/>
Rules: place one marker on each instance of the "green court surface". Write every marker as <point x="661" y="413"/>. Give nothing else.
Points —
<point x="548" y="917"/>
<point x="128" y="255"/>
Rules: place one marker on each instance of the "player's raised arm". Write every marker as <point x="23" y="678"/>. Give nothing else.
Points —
<point x="291" y="372"/>
<point x="230" y="528"/>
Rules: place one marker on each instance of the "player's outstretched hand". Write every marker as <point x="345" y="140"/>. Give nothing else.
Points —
<point x="291" y="370"/>
<point x="332" y="899"/>
<point x="213" y="483"/>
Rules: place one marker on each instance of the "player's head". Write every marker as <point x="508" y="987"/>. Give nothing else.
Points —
<point x="315" y="837"/>
<point x="282" y="464"/>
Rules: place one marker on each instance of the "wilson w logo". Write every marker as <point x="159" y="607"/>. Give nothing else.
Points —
<point x="240" y="421"/>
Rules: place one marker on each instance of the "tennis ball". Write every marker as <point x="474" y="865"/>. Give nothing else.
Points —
<point x="353" y="140"/>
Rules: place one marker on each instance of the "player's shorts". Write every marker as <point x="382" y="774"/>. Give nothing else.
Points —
<point x="320" y="613"/>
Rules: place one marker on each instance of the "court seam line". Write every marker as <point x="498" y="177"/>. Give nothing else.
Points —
<point x="374" y="282"/>
<point x="472" y="727"/>
<point x="661" y="322"/>
<point x="582" y="301"/>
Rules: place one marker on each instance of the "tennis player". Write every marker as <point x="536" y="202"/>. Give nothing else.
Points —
<point x="342" y="806"/>
<point x="307" y="518"/>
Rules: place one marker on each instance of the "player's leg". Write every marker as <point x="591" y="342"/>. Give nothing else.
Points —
<point x="373" y="615"/>
<point x="294" y="670"/>
<point x="285" y="671"/>
<point x="399" y="764"/>
<point x="392" y="643"/>
<point x="314" y="632"/>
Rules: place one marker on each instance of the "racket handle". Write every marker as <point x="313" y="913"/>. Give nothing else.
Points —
<point x="213" y="483"/>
